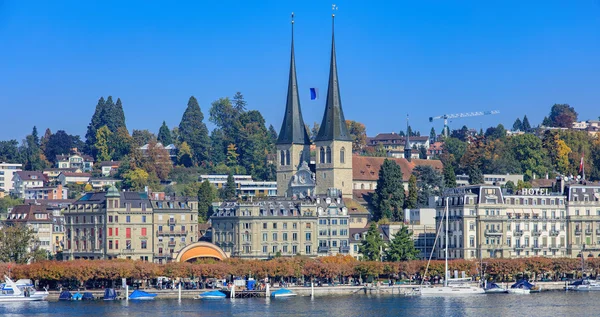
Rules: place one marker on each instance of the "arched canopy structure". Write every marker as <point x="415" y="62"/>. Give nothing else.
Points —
<point x="200" y="250"/>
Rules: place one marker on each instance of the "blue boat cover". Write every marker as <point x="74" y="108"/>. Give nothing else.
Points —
<point x="250" y="285"/>
<point x="77" y="296"/>
<point x="110" y="294"/>
<point x="523" y="284"/>
<point x="65" y="295"/>
<point x="141" y="294"/>
<point x="213" y="294"/>
<point x="87" y="296"/>
<point x="492" y="286"/>
<point x="281" y="292"/>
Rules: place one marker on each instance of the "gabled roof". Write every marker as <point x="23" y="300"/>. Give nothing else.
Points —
<point x="293" y="130"/>
<point x="31" y="175"/>
<point x="26" y="213"/>
<point x="367" y="168"/>
<point x="110" y="163"/>
<point x="333" y="125"/>
<point x="85" y="157"/>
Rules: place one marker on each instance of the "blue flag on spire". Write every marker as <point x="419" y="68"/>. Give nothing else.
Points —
<point x="314" y="93"/>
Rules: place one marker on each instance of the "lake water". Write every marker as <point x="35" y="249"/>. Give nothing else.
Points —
<point x="544" y="304"/>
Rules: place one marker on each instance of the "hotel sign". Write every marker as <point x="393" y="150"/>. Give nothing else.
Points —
<point x="534" y="192"/>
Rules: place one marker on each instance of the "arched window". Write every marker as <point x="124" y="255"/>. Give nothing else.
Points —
<point x="342" y="155"/>
<point x="322" y="155"/>
<point x="300" y="158"/>
<point x="328" y="155"/>
<point x="282" y="159"/>
<point x="287" y="157"/>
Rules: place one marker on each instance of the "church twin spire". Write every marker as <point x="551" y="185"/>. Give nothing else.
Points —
<point x="333" y="125"/>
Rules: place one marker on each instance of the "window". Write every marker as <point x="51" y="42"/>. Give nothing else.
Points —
<point x="144" y="244"/>
<point x="285" y="236"/>
<point x="264" y="225"/>
<point x="264" y="248"/>
<point x="110" y="232"/>
<point x="144" y="231"/>
<point x="274" y="236"/>
<point x="116" y="218"/>
<point x="128" y="233"/>
<point x="128" y="219"/>
<point x="116" y="231"/>
<point x="308" y="225"/>
<point x="110" y="218"/>
<point x="274" y="225"/>
<point x="322" y="155"/>
<point x="110" y="244"/>
<point x="294" y="249"/>
<point x="116" y="244"/>
<point x="274" y="249"/>
<point x="264" y="237"/>
<point x="295" y="225"/>
<point x="307" y="249"/>
<point x="308" y="236"/>
<point x="285" y="225"/>
<point x="282" y="159"/>
<point x="342" y="155"/>
<point x="328" y="154"/>
<point x="294" y="236"/>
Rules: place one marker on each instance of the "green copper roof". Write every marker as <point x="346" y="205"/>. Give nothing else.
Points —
<point x="112" y="192"/>
<point x="333" y="126"/>
<point x="293" y="129"/>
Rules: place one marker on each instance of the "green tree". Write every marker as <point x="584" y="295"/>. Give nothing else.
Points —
<point x="193" y="131"/>
<point x="95" y="124"/>
<point x="389" y="194"/>
<point x="432" y="135"/>
<point x="411" y="200"/>
<point x="141" y="137"/>
<point x="528" y="151"/>
<point x="9" y="202"/>
<point x="184" y="155"/>
<point x="157" y="161"/>
<point x="59" y="143"/>
<point x="17" y="244"/>
<point x="9" y="151"/>
<point x="429" y="183"/>
<point x="358" y="133"/>
<point x="136" y="179"/>
<point x="498" y="132"/>
<point x="461" y="134"/>
<point x="562" y="116"/>
<point x="228" y="192"/>
<point x="518" y="125"/>
<point x="164" y="134"/>
<point x="456" y="148"/>
<point x="314" y="131"/>
<point x="217" y="147"/>
<point x="107" y="114"/>
<point x="475" y="175"/>
<point x="371" y="247"/>
<point x="232" y="155"/>
<point x="526" y="127"/>
<point x="206" y="195"/>
<point x="34" y="159"/>
<point x="402" y="247"/>
<point x="422" y="152"/>
<point x="273" y="135"/>
<point x="120" y="143"/>
<point x="103" y="136"/>
<point x="511" y="188"/>
<point x="449" y="176"/>
<point x="253" y="143"/>
<point x="239" y="102"/>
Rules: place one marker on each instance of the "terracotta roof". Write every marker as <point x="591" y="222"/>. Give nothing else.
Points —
<point x="366" y="168"/>
<point x="32" y="175"/>
<point x="70" y="174"/>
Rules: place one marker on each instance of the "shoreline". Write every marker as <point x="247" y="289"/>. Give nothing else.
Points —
<point x="319" y="291"/>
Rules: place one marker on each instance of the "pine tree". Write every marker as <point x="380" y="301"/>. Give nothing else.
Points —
<point x="372" y="245"/>
<point x="217" y="148"/>
<point x="475" y="175"/>
<point x="432" y="135"/>
<point x="193" y="131"/>
<point x="526" y="127"/>
<point x="206" y="195"/>
<point x="164" y="135"/>
<point x="411" y="200"/>
<point x="95" y="124"/>
<point x="228" y="192"/>
<point x="402" y="247"/>
<point x="389" y="194"/>
<point x="118" y="117"/>
<point x="239" y="103"/>
<point x="449" y="176"/>
<point x="518" y="125"/>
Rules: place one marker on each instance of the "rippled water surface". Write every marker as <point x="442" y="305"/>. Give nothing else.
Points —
<point x="544" y="304"/>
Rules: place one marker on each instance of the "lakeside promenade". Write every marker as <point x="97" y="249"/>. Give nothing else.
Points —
<point x="340" y="290"/>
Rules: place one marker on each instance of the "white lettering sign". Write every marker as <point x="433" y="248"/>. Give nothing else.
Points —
<point x="534" y="192"/>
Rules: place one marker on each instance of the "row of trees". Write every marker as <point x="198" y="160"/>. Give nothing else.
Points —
<point x="298" y="267"/>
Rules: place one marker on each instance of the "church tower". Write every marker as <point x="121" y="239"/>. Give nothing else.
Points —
<point x="293" y="144"/>
<point x="333" y="142"/>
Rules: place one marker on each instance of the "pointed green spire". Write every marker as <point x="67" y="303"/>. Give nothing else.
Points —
<point x="293" y="129"/>
<point x="333" y="126"/>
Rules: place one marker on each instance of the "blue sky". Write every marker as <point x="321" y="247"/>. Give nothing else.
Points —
<point x="423" y="58"/>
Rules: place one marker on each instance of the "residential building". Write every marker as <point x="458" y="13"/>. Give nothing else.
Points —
<point x="502" y="179"/>
<point x="37" y="218"/>
<point x="53" y="173"/>
<point x="175" y="225"/>
<point x="58" y="232"/>
<point x="7" y="171"/>
<point x="583" y="218"/>
<point x="113" y="224"/>
<point x="57" y="192"/>
<point x="171" y="149"/>
<point x="109" y="168"/>
<point x="333" y="226"/>
<point x="395" y="143"/>
<point x="245" y="185"/>
<point x="421" y="222"/>
<point x="103" y="182"/>
<point x="23" y="180"/>
<point x="66" y="178"/>
<point x="75" y="160"/>
<point x="261" y="229"/>
<point x="435" y="150"/>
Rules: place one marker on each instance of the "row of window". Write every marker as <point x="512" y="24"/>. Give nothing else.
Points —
<point x="333" y="221"/>
<point x="326" y="157"/>
<point x="343" y="232"/>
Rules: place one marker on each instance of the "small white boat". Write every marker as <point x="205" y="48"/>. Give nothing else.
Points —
<point x="493" y="288"/>
<point x="584" y="285"/>
<point x="524" y="287"/>
<point x="283" y="292"/>
<point x="13" y="292"/>
<point x="212" y="295"/>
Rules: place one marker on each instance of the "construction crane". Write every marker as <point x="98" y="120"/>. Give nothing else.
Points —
<point x="461" y="115"/>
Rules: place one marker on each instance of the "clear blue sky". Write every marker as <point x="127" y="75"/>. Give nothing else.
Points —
<point x="423" y="58"/>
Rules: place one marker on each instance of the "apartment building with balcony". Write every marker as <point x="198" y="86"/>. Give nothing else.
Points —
<point x="333" y="228"/>
<point x="7" y="171"/>
<point x="39" y="219"/>
<point x="175" y="225"/>
<point x="583" y="214"/>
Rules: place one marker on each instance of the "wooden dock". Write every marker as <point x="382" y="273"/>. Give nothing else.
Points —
<point x="245" y="294"/>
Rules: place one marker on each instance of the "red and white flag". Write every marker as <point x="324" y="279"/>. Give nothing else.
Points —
<point x="582" y="167"/>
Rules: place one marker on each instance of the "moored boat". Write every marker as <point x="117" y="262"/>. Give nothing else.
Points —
<point x="65" y="295"/>
<point x="282" y="292"/>
<point x="77" y="296"/>
<point x="493" y="288"/>
<point x="110" y="294"/>
<point x="212" y="295"/>
<point x="141" y="295"/>
<point x="524" y="287"/>
<point x="87" y="296"/>
<point x="13" y="292"/>
<point x="584" y="285"/>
